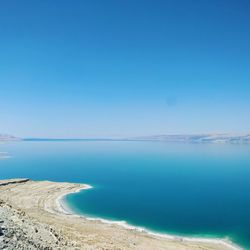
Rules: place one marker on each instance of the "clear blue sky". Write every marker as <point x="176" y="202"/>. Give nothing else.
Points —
<point x="119" y="68"/>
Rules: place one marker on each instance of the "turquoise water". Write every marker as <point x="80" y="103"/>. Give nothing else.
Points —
<point x="184" y="189"/>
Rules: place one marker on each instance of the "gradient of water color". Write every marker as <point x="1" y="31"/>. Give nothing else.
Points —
<point x="184" y="189"/>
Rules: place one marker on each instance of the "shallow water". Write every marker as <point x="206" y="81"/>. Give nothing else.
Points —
<point x="184" y="189"/>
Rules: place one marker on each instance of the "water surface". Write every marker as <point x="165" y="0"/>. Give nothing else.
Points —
<point x="184" y="189"/>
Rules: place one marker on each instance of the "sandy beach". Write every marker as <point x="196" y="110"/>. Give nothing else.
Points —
<point x="32" y="216"/>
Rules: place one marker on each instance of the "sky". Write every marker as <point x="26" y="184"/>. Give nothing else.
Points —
<point x="80" y="69"/>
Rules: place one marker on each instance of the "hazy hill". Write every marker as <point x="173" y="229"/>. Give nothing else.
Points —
<point x="4" y="137"/>
<point x="199" y="138"/>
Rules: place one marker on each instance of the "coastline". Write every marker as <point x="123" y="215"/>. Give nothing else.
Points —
<point x="62" y="206"/>
<point x="30" y="206"/>
<point x="65" y="208"/>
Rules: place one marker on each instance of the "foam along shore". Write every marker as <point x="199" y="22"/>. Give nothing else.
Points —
<point x="34" y="215"/>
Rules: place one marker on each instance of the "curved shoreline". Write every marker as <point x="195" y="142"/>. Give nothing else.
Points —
<point x="64" y="208"/>
<point x="28" y="207"/>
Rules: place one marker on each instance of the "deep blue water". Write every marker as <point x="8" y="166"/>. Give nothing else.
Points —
<point x="184" y="189"/>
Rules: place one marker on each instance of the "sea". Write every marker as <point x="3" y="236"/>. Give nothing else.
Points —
<point x="184" y="189"/>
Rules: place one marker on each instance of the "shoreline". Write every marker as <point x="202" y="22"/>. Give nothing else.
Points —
<point x="28" y="207"/>
<point x="65" y="208"/>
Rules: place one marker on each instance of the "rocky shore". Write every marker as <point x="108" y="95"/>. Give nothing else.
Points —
<point x="31" y="218"/>
<point x="18" y="231"/>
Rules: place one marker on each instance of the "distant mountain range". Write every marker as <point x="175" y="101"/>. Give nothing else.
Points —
<point x="4" y="137"/>
<point x="198" y="138"/>
<point x="194" y="138"/>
